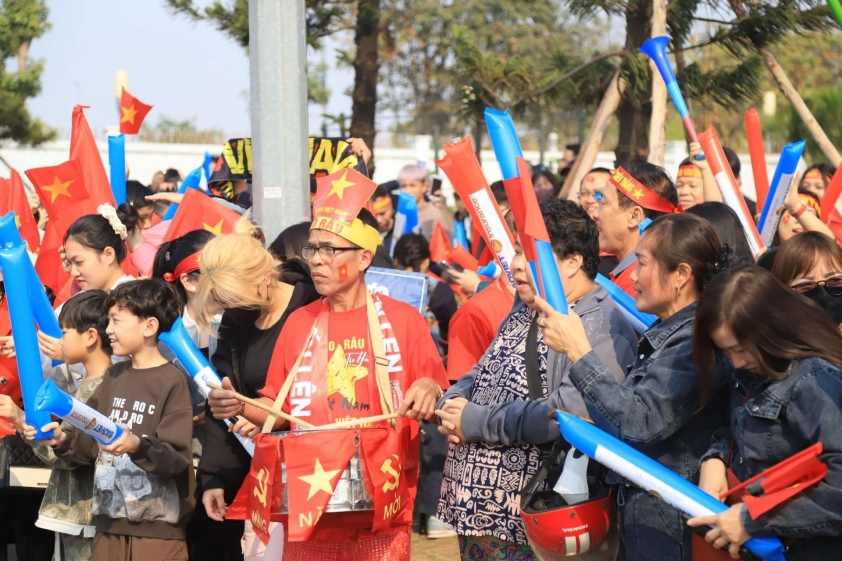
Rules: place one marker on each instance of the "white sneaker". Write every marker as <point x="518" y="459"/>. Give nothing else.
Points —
<point x="437" y="529"/>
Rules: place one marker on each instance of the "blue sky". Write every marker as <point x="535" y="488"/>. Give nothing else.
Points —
<point x="185" y="70"/>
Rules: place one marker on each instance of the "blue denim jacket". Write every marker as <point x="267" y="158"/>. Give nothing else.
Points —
<point x="656" y="409"/>
<point x="771" y="421"/>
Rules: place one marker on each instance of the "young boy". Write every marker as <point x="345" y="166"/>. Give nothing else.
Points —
<point x="66" y="507"/>
<point x="149" y="397"/>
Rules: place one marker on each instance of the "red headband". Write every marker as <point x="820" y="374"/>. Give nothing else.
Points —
<point x="813" y="174"/>
<point x="640" y="194"/>
<point x="689" y="170"/>
<point x="189" y="264"/>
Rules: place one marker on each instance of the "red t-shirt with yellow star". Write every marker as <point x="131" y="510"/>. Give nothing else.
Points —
<point x="351" y="379"/>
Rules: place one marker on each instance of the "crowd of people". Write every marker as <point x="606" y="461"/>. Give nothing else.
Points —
<point x="739" y="371"/>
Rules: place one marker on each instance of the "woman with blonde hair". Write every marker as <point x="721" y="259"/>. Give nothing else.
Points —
<point x="239" y="277"/>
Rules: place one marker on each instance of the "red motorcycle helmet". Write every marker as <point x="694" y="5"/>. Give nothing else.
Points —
<point x="557" y="530"/>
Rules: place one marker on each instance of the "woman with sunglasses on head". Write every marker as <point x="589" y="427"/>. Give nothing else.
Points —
<point x="811" y="264"/>
<point x="659" y="409"/>
<point x="239" y="279"/>
<point x="786" y="396"/>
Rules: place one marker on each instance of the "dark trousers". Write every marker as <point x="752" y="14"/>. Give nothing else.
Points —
<point x="433" y="455"/>
<point x="650" y="528"/>
<point x="18" y="513"/>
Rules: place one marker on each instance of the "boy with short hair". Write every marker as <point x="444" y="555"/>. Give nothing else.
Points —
<point x="66" y="506"/>
<point x="150" y="398"/>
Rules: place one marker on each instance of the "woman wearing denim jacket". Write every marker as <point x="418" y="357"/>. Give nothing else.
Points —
<point x="785" y="396"/>
<point x="658" y="409"/>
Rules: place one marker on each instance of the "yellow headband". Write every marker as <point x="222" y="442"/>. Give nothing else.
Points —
<point x="357" y="233"/>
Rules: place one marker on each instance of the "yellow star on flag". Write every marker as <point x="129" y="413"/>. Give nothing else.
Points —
<point x="215" y="230"/>
<point x="58" y="188"/>
<point x="128" y="114"/>
<point x="339" y="185"/>
<point x="638" y="193"/>
<point x="319" y="480"/>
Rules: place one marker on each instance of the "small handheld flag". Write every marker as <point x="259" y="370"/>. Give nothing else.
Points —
<point x="132" y="113"/>
<point x="191" y="181"/>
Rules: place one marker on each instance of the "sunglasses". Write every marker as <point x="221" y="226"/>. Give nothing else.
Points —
<point x="833" y="286"/>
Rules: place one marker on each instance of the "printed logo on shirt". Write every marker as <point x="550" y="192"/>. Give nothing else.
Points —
<point x="344" y="370"/>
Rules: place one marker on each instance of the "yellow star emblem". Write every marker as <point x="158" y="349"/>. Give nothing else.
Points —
<point x="638" y="193"/>
<point x="58" y="188"/>
<point x="319" y="480"/>
<point x="215" y="230"/>
<point x="128" y="114"/>
<point x="339" y="185"/>
<point x="342" y="377"/>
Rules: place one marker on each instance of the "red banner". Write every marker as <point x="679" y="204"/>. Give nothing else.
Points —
<point x="385" y="468"/>
<point x="268" y="453"/>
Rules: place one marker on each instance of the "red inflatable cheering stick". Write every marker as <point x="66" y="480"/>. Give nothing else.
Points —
<point x="781" y="481"/>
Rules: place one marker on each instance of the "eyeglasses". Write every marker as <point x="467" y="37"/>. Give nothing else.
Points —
<point x="326" y="252"/>
<point x="833" y="285"/>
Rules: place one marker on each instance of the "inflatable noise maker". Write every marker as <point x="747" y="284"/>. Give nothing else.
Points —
<point x="781" y="182"/>
<point x="654" y="478"/>
<point x="524" y="203"/>
<point x="656" y="49"/>
<point x="461" y="166"/>
<point x="640" y="321"/>
<point x="52" y="400"/>
<point x="197" y="366"/>
<point x="28" y="303"/>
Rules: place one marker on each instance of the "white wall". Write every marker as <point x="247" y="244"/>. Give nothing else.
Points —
<point x="145" y="158"/>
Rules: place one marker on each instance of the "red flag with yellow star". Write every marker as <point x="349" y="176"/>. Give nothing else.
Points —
<point x="19" y="204"/>
<point x="386" y="474"/>
<point x="197" y="211"/>
<point x="85" y="152"/>
<point x="315" y="462"/>
<point x="58" y="186"/>
<point x="132" y="113"/>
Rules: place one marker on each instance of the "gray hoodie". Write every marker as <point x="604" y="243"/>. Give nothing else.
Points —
<point x="527" y="422"/>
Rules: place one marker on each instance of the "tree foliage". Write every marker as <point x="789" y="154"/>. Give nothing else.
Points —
<point x="169" y="130"/>
<point x="21" y="21"/>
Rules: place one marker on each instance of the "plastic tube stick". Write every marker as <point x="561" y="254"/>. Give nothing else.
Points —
<point x="781" y="182"/>
<point x="640" y="321"/>
<point x="13" y="264"/>
<point x="82" y="416"/>
<point x="504" y="140"/>
<point x="731" y="194"/>
<point x="656" y="49"/>
<point x="757" y="151"/>
<point x="117" y="163"/>
<point x="836" y="8"/>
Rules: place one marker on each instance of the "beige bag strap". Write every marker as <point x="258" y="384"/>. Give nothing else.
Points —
<point x="380" y="361"/>
<point x="282" y="395"/>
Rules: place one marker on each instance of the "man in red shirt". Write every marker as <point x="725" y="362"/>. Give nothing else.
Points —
<point x="351" y="355"/>
<point x="636" y="191"/>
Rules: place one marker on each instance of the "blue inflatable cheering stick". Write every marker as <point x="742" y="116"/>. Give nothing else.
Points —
<point x="781" y="182"/>
<point x="84" y="417"/>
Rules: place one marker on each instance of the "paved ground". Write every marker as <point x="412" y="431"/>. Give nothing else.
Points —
<point x="445" y="549"/>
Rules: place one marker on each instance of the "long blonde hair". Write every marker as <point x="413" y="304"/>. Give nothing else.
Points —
<point x="230" y="266"/>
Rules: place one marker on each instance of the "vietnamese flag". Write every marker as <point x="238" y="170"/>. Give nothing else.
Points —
<point x="197" y="211"/>
<point x="439" y="244"/>
<point x="315" y="462"/>
<point x="58" y="186"/>
<point x="385" y="474"/>
<point x="48" y="264"/>
<point x="132" y="113"/>
<point x="19" y="203"/>
<point x="463" y="258"/>
<point x="84" y="151"/>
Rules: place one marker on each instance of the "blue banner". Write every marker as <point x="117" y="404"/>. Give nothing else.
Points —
<point x="408" y="287"/>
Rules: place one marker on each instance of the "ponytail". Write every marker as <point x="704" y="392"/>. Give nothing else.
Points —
<point x="172" y="253"/>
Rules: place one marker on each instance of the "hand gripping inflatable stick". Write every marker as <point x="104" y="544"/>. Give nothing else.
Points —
<point x="197" y="366"/>
<point x="52" y="400"/>
<point x="653" y="477"/>
<point x="13" y="262"/>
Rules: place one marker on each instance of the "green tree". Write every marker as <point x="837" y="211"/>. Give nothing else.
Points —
<point x="21" y="21"/>
<point x="180" y="132"/>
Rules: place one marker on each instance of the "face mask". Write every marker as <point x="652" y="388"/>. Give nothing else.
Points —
<point x="828" y="302"/>
<point x="244" y="316"/>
